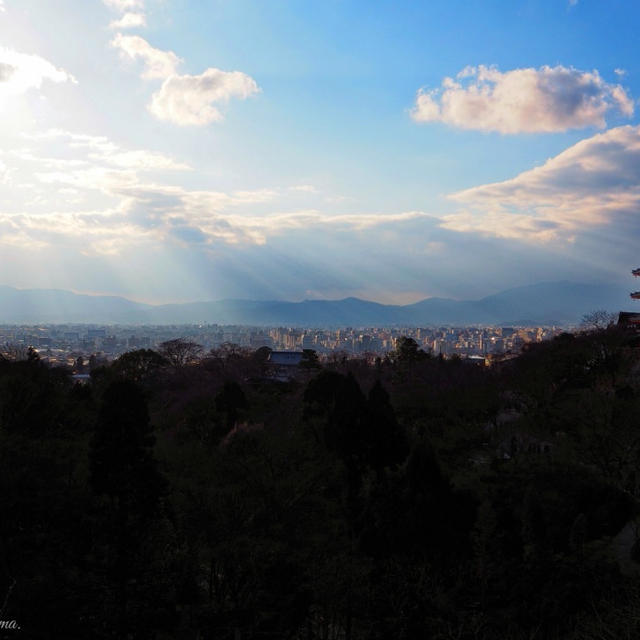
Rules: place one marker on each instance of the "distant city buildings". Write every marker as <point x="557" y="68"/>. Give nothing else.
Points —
<point x="70" y="344"/>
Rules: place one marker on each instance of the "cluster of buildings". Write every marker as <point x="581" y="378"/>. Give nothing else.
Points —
<point x="84" y="346"/>
<point x="446" y="341"/>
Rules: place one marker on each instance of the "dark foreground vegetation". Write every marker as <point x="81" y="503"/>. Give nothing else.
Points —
<point x="413" y="498"/>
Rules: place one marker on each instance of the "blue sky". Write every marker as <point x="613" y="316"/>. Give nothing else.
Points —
<point x="172" y="150"/>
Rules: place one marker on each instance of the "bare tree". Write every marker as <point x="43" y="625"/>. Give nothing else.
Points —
<point x="598" y="319"/>
<point x="180" y="352"/>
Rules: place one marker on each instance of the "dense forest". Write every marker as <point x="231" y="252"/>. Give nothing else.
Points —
<point x="181" y="495"/>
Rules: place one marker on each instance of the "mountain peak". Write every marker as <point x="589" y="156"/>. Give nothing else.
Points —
<point x="548" y="303"/>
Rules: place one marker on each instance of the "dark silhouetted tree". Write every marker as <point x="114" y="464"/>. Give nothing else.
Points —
<point x="387" y="444"/>
<point x="140" y="366"/>
<point x="338" y="399"/>
<point x="121" y="460"/>
<point x="598" y="319"/>
<point x="408" y="352"/>
<point x="310" y="359"/>
<point x="230" y="400"/>
<point x="180" y="352"/>
<point x="262" y="354"/>
<point x="124" y="475"/>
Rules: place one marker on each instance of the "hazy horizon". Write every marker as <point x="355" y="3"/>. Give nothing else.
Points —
<point x="93" y="294"/>
<point x="559" y="303"/>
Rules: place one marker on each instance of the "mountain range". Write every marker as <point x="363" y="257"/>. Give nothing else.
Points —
<point x="546" y="303"/>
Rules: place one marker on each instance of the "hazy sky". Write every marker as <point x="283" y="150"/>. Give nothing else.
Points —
<point x="173" y="150"/>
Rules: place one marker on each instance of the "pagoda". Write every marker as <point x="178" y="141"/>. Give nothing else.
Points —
<point x="636" y="294"/>
<point x="631" y="319"/>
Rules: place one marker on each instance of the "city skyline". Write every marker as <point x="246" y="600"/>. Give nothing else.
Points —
<point x="171" y="151"/>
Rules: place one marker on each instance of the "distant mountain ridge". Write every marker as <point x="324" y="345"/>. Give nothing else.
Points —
<point x="546" y="303"/>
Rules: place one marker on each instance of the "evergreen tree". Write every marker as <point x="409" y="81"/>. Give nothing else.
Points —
<point x="231" y="400"/>
<point x="129" y="537"/>
<point x="386" y="440"/>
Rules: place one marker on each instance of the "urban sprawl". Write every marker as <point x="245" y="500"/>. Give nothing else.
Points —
<point x="90" y="345"/>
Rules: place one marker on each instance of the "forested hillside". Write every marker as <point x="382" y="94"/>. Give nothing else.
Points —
<point x="413" y="497"/>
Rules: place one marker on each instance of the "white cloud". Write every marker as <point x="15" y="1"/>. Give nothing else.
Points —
<point x="157" y="216"/>
<point x="592" y="184"/>
<point x="212" y="216"/>
<point x="527" y="100"/>
<point x="89" y="194"/>
<point x="100" y="149"/>
<point x="186" y="100"/>
<point x="129" y="21"/>
<point x="191" y="100"/>
<point x="62" y="188"/>
<point x="58" y="170"/>
<point x="6" y="71"/>
<point x="124" y="5"/>
<point x="98" y="232"/>
<point x="158" y="63"/>
<point x="304" y="188"/>
<point x="20" y="72"/>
